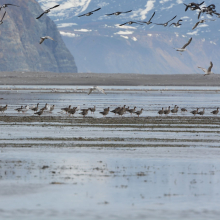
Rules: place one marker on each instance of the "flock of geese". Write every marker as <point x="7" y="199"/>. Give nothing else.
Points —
<point x="117" y="111"/>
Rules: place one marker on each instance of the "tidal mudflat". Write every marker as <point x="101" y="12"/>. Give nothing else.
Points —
<point x="152" y="167"/>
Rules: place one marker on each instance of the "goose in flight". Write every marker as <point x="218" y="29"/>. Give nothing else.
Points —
<point x="47" y="11"/>
<point x="207" y="71"/>
<point x="6" y="5"/>
<point x="193" y="6"/>
<point x="209" y="10"/>
<point x="118" y="13"/>
<point x="201" y="22"/>
<point x="44" y="38"/>
<point x="96" y="88"/>
<point x="184" y="47"/>
<point x="177" y="24"/>
<point x="148" y="22"/>
<point x="130" y="22"/>
<point x="89" y="13"/>
<point x="165" y="24"/>
<point x="1" y="21"/>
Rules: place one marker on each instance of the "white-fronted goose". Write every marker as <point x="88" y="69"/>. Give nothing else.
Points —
<point x="35" y="109"/>
<point x="148" y="22"/>
<point x="130" y="23"/>
<point x="39" y="113"/>
<point x="105" y="112"/>
<point x="3" y="109"/>
<point x="177" y="24"/>
<point x="72" y="111"/>
<point x="138" y="113"/>
<point x="6" y="5"/>
<point x="84" y="112"/>
<point x="1" y="21"/>
<point x="92" y="109"/>
<point x="66" y="109"/>
<point x="183" y="110"/>
<point x="201" y="22"/>
<point x="202" y="112"/>
<point x="167" y="111"/>
<point x="160" y="112"/>
<point x="194" y="112"/>
<point x="132" y="110"/>
<point x="19" y="109"/>
<point x="215" y="112"/>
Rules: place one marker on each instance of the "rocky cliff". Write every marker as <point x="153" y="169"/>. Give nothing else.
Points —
<point x="20" y="35"/>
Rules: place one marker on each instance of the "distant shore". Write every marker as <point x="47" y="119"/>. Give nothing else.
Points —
<point x="77" y="79"/>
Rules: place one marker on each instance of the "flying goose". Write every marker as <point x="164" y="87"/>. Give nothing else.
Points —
<point x="215" y="112"/>
<point x="201" y="22"/>
<point x="44" y="38"/>
<point x="177" y="24"/>
<point x="130" y="22"/>
<point x="96" y="88"/>
<point x="218" y="15"/>
<point x="118" y="13"/>
<point x="6" y="5"/>
<point x="165" y="24"/>
<point x="47" y="11"/>
<point x="148" y="22"/>
<point x="89" y="13"/>
<point x="184" y="47"/>
<point x="193" y="6"/>
<point x="1" y="21"/>
<point x="207" y="71"/>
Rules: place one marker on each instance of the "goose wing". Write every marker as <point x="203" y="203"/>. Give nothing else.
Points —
<point x="197" y="23"/>
<point x="11" y="5"/>
<point x="90" y="91"/>
<point x="110" y="14"/>
<point x="48" y="37"/>
<point x="54" y="6"/>
<point x="40" y="16"/>
<point x="3" y="16"/>
<point x="187" y="43"/>
<point x="96" y="9"/>
<point x="159" y="24"/>
<point x="210" y="68"/>
<point x="123" y="24"/>
<point x="203" y="69"/>
<point x="172" y="24"/>
<point x="152" y="16"/>
<point x="100" y="90"/>
<point x="127" y="11"/>
<point x="186" y="6"/>
<point x="199" y="14"/>
<point x="172" y="19"/>
<point x="42" y="40"/>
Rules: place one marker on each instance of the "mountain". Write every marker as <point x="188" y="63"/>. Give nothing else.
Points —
<point x="100" y="45"/>
<point x="20" y="36"/>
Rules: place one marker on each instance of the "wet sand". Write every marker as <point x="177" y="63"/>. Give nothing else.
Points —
<point x="48" y="78"/>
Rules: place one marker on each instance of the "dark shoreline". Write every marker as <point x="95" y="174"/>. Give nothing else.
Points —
<point x="77" y="79"/>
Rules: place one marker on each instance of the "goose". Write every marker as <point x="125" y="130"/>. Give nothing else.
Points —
<point x="3" y="109"/>
<point x="215" y="112"/>
<point x="127" y="109"/>
<point x="44" y="38"/>
<point x="118" y="13"/>
<point x="6" y="5"/>
<point x="105" y="112"/>
<point x="207" y="71"/>
<point x="201" y="22"/>
<point x="194" y="112"/>
<point x="183" y="110"/>
<point x="51" y="108"/>
<point x="202" y="112"/>
<point x="39" y="113"/>
<point x="117" y="109"/>
<point x="72" y="111"/>
<point x="167" y="111"/>
<point x="192" y="5"/>
<point x="177" y="24"/>
<point x="92" y="109"/>
<point x="208" y="9"/>
<point x="96" y="88"/>
<point x="1" y="21"/>
<point x="148" y="22"/>
<point x="84" y="112"/>
<point x="165" y="24"/>
<point x="89" y="13"/>
<point x="175" y="110"/>
<point x="160" y="112"/>
<point x="184" y="47"/>
<point x="139" y="112"/>
<point x="35" y="109"/>
<point x="19" y="109"/>
<point x="45" y="107"/>
<point x="47" y="11"/>
<point x="121" y="111"/>
<point x="66" y="109"/>
<point x="130" y="23"/>
<point x="132" y="110"/>
<point x="25" y="109"/>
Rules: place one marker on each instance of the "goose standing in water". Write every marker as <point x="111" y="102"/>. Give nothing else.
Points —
<point x="118" y="13"/>
<point x="202" y="112"/>
<point x="183" y="110"/>
<point x="89" y="13"/>
<point x="139" y="112"/>
<point x="92" y="109"/>
<point x="215" y="112"/>
<point x="194" y="112"/>
<point x="96" y="88"/>
<point x="44" y="38"/>
<point x="19" y="109"/>
<point x="105" y="112"/>
<point x="25" y="109"/>
<point x="165" y="24"/>
<point x="207" y="71"/>
<point x="184" y="47"/>
<point x="132" y="110"/>
<point x="72" y="111"/>
<point x="47" y="11"/>
<point x="66" y="109"/>
<point x="84" y="112"/>
<point x="167" y="111"/>
<point x="35" y="109"/>
<point x="39" y="113"/>
<point x="160" y="112"/>
<point x="3" y="109"/>
<point x="148" y="22"/>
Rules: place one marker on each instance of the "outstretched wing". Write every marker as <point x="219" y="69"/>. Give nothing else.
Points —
<point x="172" y="24"/>
<point x="152" y="16"/>
<point x="186" y="6"/>
<point x="187" y="43"/>
<point x="158" y="24"/>
<point x="54" y="6"/>
<point x="210" y="68"/>
<point x="110" y="14"/>
<point x="3" y="16"/>
<point x="12" y="5"/>
<point x="123" y="24"/>
<point x="199" y="14"/>
<point x="42" y="40"/>
<point x="201" y="3"/>
<point x="48" y="37"/>
<point x="172" y="19"/>
<point x="100" y="90"/>
<point x="127" y="11"/>
<point x="195" y="25"/>
<point x="203" y="69"/>
<point x="40" y="16"/>
<point x="96" y="9"/>
<point x="90" y="91"/>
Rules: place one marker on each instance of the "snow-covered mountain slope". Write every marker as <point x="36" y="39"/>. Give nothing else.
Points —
<point x="99" y="44"/>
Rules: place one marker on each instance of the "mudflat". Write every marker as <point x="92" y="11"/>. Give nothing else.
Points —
<point x="48" y="78"/>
